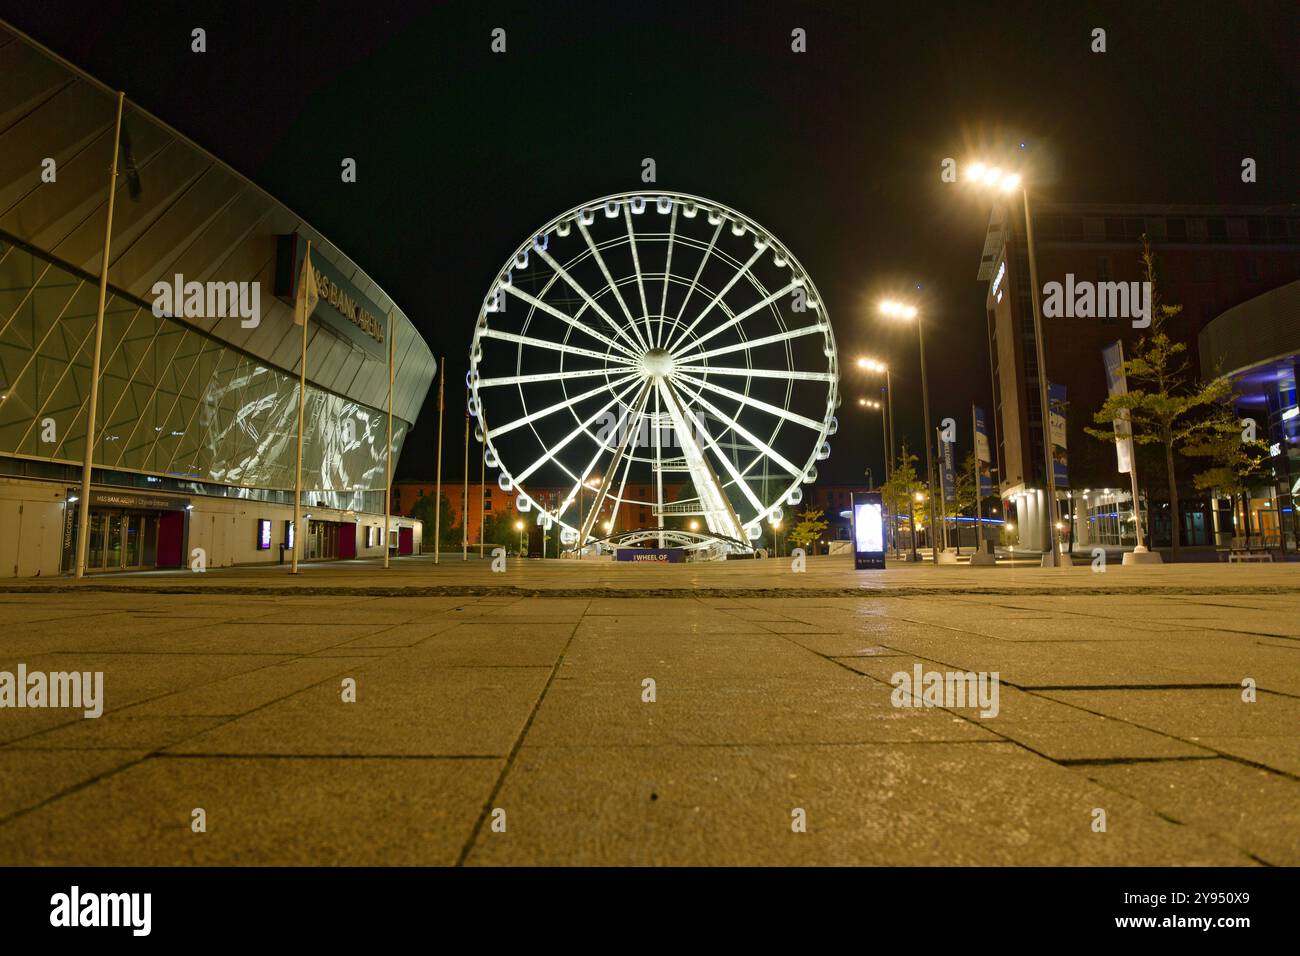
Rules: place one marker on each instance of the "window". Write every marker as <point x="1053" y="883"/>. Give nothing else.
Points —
<point x="1252" y="270"/>
<point x="1177" y="230"/>
<point x="1103" y="268"/>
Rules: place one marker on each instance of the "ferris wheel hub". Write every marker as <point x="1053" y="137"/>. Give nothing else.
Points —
<point x="657" y="363"/>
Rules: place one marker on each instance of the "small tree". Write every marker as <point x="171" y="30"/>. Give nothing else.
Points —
<point x="449" y="532"/>
<point x="1165" y="404"/>
<point x="963" y="499"/>
<point x="1233" y="461"/>
<point x="900" y="491"/>
<point x="809" y="528"/>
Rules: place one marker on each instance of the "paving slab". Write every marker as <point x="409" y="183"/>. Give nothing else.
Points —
<point x="1253" y="809"/>
<point x="260" y="812"/>
<point x="909" y="805"/>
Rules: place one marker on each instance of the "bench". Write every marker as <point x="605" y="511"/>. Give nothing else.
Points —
<point x="1251" y="548"/>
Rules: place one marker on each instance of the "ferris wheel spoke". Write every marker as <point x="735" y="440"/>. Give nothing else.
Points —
<point x="722" y="456"/>
<point x="668" y="270"/>
<point x="558" y="406"/>
<point x="748" y="344"/>
<point x="567" y="319"/>
<point x="717" y="298"/>
<point x="636" y="266"/>
<point x="582" y="480"/>
<point x="604" y="270"/>
<point x="541" y="377"/>
<point x="627" y="437"/>
<point x="586" y="297"/>
<point x="659" y="471"/>
<point x="718" y="511"/>
<point x="749" y="436"/>
<point x="793" y="374"/>
<point x="564" y="442"/>
<point x="704" y="260"/>
<point x="553" y="346"/>
<point x="740" y="317"/>
<point x="752" y="402"/>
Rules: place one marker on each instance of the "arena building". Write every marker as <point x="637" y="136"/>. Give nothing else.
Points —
<point x="198" y="399"/>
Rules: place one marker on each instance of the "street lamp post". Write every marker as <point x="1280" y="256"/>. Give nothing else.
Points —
<point x="1010" y="182"/>
<point x="908" y="312"/>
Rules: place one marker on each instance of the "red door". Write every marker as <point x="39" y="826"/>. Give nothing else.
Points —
<point x="171" y="529"/>
<point x="405" y="540"/>
<point x="347" y="540"/>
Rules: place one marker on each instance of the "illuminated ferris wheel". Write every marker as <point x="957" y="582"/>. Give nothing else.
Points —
<point x="659" y="356"/>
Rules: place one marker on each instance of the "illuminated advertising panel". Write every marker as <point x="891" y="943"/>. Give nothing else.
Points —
<point x="868" y="531"/>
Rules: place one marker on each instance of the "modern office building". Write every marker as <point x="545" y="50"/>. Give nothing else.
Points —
<point x="1210" y="259"/>
<point x="198" y="394"/>
<point x="1257" y="345"/>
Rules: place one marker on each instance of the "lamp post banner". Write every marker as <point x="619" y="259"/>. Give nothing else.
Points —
<point x="982" y="455"/>
<point x="1112" y="356"/>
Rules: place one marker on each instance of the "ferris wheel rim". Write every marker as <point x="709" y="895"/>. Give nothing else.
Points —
<point x="695" y="375"/>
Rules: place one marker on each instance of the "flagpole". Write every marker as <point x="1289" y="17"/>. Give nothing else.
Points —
<point x="388" y="453"/>
<point x="298" y="535"/>
<point x="83" y="513"/>
<point x="464" y="500"/>
<point x="437" y="520"/>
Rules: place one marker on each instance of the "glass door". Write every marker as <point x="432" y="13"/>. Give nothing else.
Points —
<point x="132" y="546"/>
<point x="113" y="542"/>
<point x="95" y="548"/>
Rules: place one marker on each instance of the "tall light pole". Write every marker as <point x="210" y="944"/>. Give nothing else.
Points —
<point x="909" y="313"/>
<point x="993" y="177"/>
<point x="880" y="368"/>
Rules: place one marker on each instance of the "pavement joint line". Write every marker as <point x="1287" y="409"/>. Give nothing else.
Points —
<point x="194" y="755"/>
<point x="1120" y="761"/>
<point x="514" y="752"/>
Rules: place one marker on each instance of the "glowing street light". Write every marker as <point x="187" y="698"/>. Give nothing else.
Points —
<point x="992" y="177"/>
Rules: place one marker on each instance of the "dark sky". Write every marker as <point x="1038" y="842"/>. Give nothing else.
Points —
<point x="462" y="153"/>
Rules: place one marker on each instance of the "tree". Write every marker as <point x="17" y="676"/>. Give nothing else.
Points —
<point x="809" y="528"/>
<point x="449" y="532"/>
<point x="900" y="491"/>
<point x="1165" y="404"/>
<point x="499" y="530"/>
<point x="1233" y="461"/>
<point x="963" y="494"/>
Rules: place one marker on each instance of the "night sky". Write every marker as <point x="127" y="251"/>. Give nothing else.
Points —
<point x="463" y="153"/>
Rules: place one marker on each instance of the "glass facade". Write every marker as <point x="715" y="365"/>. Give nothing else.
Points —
<point x="174" y="401"/>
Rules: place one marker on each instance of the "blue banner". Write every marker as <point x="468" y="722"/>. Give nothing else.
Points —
<point x="947" y="471"/>
<point x="651" y="555"/>
<point x="1060" y="458"/>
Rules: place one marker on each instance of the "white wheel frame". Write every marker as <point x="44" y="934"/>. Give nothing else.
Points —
<point x="642" y="367"/>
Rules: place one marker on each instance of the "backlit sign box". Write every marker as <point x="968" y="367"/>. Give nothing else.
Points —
<point x="868" y="531"/>
<point x="263" y="534"/>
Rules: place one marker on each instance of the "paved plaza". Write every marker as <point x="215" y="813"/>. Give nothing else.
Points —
<point x="509" y="718"/>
